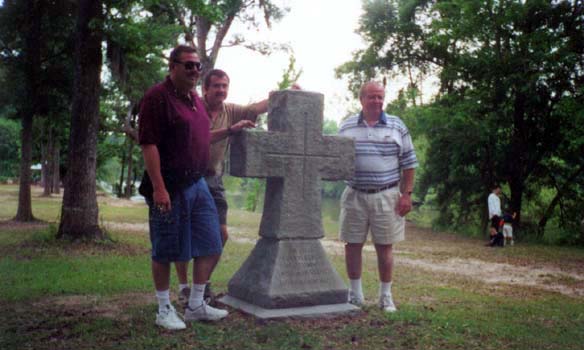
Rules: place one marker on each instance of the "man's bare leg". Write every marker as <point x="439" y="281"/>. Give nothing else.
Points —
<point x="385" y="261"/>
<point x="161" y="275"/>
<point x="182" y="271"/>
<point x="354" y="262"/>
<point x="385" y="266"/>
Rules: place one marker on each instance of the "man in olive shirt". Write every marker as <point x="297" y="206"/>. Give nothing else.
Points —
<point x="226" y="119"/>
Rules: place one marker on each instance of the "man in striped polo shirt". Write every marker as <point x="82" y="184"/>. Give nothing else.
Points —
<point x="379" y="196"/>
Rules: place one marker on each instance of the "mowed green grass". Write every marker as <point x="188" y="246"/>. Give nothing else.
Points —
<point x="61" y="295"/>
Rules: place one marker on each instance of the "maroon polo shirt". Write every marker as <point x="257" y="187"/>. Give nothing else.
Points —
<point x="179" y="127"/>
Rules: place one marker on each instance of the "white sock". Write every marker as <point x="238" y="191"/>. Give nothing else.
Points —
<point x="196" y="297"/>
<point x="182" y="286"/>
<point x="385" y="288"/>
<point x="356" y="287"/>
<point x="163" y="297"/>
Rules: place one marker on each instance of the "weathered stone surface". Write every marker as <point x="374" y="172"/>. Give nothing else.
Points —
<point x="294" y="156"/>
<point x="303" y="312"/>
<point x="288" y="268"/>
<point x="288" y="273"/>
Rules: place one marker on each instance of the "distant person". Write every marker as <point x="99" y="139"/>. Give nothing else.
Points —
<point x="495" y="232"/>
<point x="385" y="162"/>
<point x="494" y="202"/>
<point x="226" y="119"/>
<point x="174" y="136"/>
<point x="494" y="205"/>
<point x="508" y="219"/>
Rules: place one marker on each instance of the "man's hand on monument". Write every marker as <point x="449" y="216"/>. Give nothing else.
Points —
<point x="242" y="124"/>
<point x="161" y="200"/>
<point x="404" y="205"/>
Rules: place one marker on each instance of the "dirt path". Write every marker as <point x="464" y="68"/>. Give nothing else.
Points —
<point x="453" y="254"/>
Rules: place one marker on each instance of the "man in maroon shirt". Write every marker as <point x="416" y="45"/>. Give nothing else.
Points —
<point x="175" y="137"/>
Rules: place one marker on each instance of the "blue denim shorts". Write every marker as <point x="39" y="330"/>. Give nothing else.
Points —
<point x="189" y="230"/>
<point x="217" y="190"/>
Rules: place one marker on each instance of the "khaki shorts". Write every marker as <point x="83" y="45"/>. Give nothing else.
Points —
<point x="508" y="230"/>
<point x="375" y="212"/>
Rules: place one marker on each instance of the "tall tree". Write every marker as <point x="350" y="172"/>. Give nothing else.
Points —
<point x="23" y="55"/>
<point x="79" y="213"/>
<point x="35" y="55"/>
<point x="205" y="24"/>
<point x="508" y="70"/>
<point x="32" y="67"/>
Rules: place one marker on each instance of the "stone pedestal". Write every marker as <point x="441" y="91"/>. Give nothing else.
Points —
<point x="288" y="273"/>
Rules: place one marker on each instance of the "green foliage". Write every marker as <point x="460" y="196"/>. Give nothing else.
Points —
<point x="510" y="105"/>
<point x="9" y="147"/>
<point x="254" y="189"/>
<point x="205" y="24"/>
<point x="136" y="40"/>
<point x="330" y="127"/>
<point x="290" y="75"/>
<point x="49" y="81"/>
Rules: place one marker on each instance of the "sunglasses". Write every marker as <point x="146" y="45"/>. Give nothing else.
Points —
<point x="190" y="65"/>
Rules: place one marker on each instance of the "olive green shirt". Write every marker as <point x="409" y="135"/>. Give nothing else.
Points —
<point x="230" y="115"/>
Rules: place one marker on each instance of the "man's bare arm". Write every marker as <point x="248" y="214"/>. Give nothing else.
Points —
<point x="220" y="134"/>
<point x="257" y="108"/>
<point x="404" y="204"/>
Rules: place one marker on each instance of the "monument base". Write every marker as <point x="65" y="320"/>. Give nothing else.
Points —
<point x="281" y="274"/>
<point x="318" y="311"/>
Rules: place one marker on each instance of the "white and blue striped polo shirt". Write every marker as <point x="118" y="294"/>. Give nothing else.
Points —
<point x="381" y="151"/>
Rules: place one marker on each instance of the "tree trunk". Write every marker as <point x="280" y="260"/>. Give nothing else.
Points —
<point x="44" y="166"/>
<point x="518" y="150"/>
<point x="129" y="177"/>
<point x="120" y="189"/>
<point x="79" y="214"/>
<point x="47" y="164"/>
<point x="56" y="168"/>
<point x="24" y="211"/>
<point x="32" y="66"/>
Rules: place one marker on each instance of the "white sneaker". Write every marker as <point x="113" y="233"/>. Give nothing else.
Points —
<point x="204" y="312"/>
<point x="169" y="319"/>
<point x="356" y="299"/>
<point x="386" y="303"/>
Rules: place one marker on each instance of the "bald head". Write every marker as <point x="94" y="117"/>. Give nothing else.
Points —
<point x="370" y="84"/>
<point x="371" y="97"/>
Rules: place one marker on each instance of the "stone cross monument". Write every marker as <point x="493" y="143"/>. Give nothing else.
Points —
<point x="288" y="273"/>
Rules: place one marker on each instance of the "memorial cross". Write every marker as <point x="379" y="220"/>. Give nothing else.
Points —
<point x="294" y="156"/>
<point x="288" y="268"/>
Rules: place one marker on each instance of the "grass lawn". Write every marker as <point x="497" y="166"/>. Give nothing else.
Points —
<point x="59" y="295"/>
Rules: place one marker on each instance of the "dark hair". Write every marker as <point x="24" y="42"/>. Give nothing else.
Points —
<point x="495" y="186"/>
<point x="216" y="73"/>
<point x="178" y="50"/>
